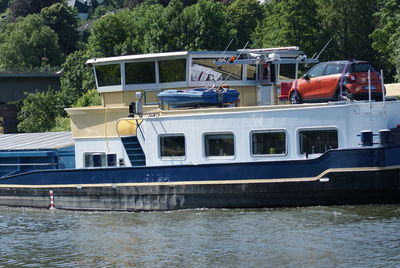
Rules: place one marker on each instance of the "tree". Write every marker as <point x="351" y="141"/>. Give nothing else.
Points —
<point x="290" y="23"/>
<point x="245" y="15"/>
<point x="77" y="78"/>
<point x="39" y="111"/>
<point x="105" y="40"/>
<point x="206" y="26"/>
<point x="27" y="44"/>
<point x="90" y="98"/>
<point x="22" y="8"/>
<point x="385" y="38"/>
<point x="3" y="5"/>
<point x="349" y="24"/>
<point x="62" y="20"/>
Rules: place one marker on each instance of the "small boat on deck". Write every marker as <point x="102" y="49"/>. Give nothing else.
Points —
<point x="198" y="97"/>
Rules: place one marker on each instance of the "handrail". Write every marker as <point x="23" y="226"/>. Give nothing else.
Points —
<point x="138" y="124"/>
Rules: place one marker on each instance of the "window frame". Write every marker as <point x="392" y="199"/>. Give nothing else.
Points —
<point x="169" y="82"/>
<point x="155" y="63"/>
<point x="204" y="134"/>
<point x="322" y="65"/>
<point x="104" y="159"/>
<point x="171" y="157"/>
<point x="112" y="87"/>
<point x="329" y="128"/>
<point x="280" y="130"/>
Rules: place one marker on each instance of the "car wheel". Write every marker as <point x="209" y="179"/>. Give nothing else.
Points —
<point x="345" y="95"/>
<point x="295" y="98"/>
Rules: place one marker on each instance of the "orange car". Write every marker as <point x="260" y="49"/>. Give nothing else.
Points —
<point x="335" y="80"/>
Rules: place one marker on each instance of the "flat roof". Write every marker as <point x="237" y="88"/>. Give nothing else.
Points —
<point x="159" y="55"/>
<point x="36" y="141"/>
<point x="30" y="74"/>
<point x="283" y="51"/>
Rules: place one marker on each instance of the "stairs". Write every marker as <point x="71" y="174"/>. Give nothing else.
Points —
<point x="134" y="150"/>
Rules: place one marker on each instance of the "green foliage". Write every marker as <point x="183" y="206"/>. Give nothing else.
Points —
<point x="397" y="58"/>
<point x="22" y="8"/>
<point x="290" y="23"/>
<point x="39" y="111"/>
<point x="90" y="98"/>
<point x="349" y="23"/>
<point x="154" y="28"/>
<point x="3" y="5"/>
<point x="245" y="15"/>
<point x="104" y="40"/>
<point x="206" y="26"/>
<point x="99" y="11"/>
<point x="61" y="124"/>
<point x="63" y="21"/>
<point x="25" y="43"/>
<point x="77" y="77"/>
<point x="385" y="37"/>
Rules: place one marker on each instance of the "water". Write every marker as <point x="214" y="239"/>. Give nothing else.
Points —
<point x="342" y="236"/>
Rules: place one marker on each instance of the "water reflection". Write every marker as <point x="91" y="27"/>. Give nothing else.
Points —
<point x="343" y="236"/>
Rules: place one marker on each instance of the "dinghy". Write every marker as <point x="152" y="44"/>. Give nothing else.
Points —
<point x="198" y="97"/>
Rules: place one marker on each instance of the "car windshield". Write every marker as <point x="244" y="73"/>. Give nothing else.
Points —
<point x="361" y="67"/>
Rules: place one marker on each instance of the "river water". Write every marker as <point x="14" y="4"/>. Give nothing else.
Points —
<point x="337" y="236"/>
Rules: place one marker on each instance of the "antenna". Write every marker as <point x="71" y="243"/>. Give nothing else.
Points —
<point x="223" y="53"/>
<point x="322" y="50"/>
<point x="236" y="58"/>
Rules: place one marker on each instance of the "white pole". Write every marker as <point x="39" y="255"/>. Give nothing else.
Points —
<point x="369" y="89"/>
<point x="383" y="97"/>
<point x="383" y="87"/>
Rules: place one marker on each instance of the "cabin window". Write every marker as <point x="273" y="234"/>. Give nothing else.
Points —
<point x="172" y="146"/>
<point x="172" y="70"/>
<point x="318" y="141"/>
<point x="219" y="144"/>
<point x="140" y="73"/>
<point x="206" y="70"/>
<point x="251" y="72"/>
<point x="108" y="75"/>
<point x="95" y="159"/>
<point x="287" y="71"/>
<point x="268" y="143"/>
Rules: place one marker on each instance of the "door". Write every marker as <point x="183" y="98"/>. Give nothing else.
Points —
<point x="327" y="83"/>
<point x="307" y="86"/>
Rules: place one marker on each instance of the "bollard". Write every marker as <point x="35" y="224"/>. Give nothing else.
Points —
<point x="51" y="200"/>
<point x="366" y="138"/>
<point x="385" y="137"/>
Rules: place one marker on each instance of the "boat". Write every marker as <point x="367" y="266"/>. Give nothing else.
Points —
<point x="198" y="97"/>
<point x="133" y="154"/>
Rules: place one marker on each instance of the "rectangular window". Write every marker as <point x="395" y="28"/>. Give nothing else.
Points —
<point x="108" y="75"/>
<point x="268" y="143"/>
<point x="206" y="70"/>
<point x="219" y="144"/>
<point x="251" y="72"/>
<point x="287" y="71"/>
<point x="318" y="141"/>
<point x="95" y="159"/>
<point x="140" y="73"/>
<point x="172" y="70"/>
<point x="172" y="146"/>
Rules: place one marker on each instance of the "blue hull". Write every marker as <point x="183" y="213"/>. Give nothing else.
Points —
<point x="364" y="175"/>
